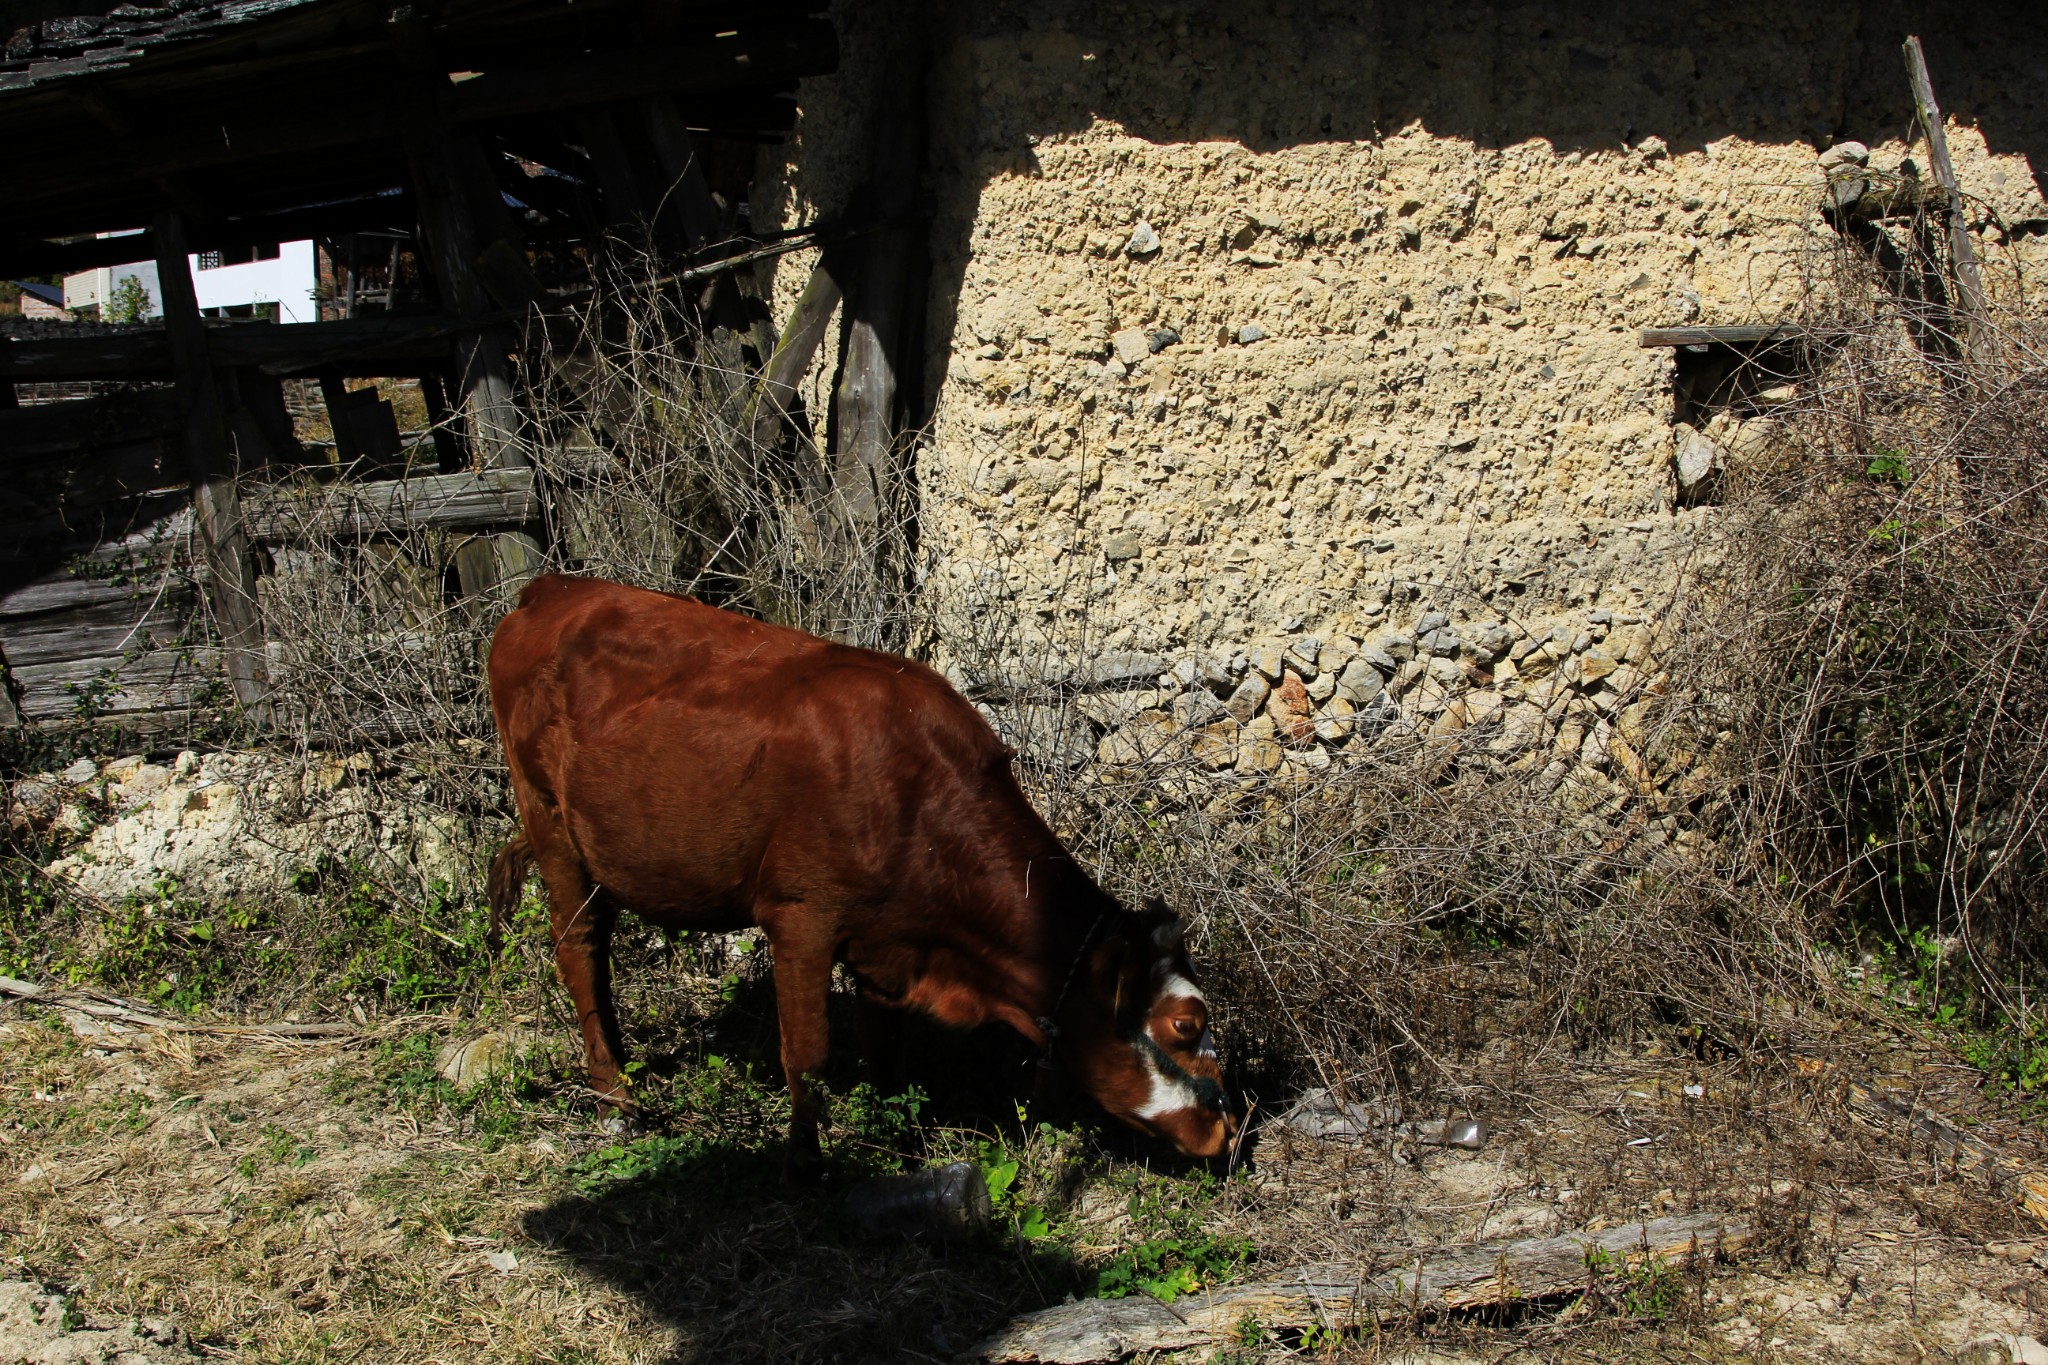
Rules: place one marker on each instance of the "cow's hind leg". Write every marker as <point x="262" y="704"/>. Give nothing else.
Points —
<point x="803" y="986"/>
<point x="580" y="919"/>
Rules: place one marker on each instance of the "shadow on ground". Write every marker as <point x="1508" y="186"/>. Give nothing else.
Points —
<point x="689" y="1214"/>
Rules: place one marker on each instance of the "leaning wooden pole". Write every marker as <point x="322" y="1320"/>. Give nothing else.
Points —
<point x="1978" y="337"/>
<point x="216" y="508"/>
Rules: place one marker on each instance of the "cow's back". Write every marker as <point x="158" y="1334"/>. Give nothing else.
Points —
<point x="701" y="761"/>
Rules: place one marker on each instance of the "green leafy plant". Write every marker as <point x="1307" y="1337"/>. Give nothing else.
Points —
<point x="1177" y="1256"/>
<point x="1889" y="466"/>
<point x="128" y="301"/>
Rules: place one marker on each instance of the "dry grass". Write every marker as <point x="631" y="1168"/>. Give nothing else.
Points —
<point x="1880" y="641"/>
<point x="324" y="1202"/>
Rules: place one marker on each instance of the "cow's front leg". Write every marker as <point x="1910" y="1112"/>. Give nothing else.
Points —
<point x="580" y="924"/>
<point x="803" y="985"/>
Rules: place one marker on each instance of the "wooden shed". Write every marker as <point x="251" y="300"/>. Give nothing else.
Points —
<point x="460" y="165"/>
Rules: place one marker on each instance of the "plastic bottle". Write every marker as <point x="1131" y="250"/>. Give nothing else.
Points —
<point x="942" y="1202"/>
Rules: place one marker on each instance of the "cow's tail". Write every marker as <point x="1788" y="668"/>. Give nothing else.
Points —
<point x="508" y="876"/>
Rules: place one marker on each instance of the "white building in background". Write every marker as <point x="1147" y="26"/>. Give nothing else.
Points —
<point x="225" y="281"/>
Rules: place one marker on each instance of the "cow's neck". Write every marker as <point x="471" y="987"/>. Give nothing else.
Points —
<point x="1028" y="920"/>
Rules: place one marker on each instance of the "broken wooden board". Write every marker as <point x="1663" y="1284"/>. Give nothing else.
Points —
<point x="1905" y="1113"/>
<point x="98" y="1005"/>
<point x="1341" y="1295"/>
<point x="490" y="497"/>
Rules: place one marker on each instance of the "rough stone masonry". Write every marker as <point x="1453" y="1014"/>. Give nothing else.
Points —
<point x="1288" y="386"/>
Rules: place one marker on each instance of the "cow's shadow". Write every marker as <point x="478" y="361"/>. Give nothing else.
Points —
<point x="688" y="1214"/>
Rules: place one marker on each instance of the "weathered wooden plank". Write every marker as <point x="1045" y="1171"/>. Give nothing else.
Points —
<point x="1341" y="1295"/>
<point x="34" y="257"/>
<point x="114" y="685"/>
<point x="366" y="119"/>
<point x="801" y="337"/>
<point x="864" y="464"/>
<point x="67" y="595"/>
<point x="477" y="498"/>
<point x="448" y="217"/>
<point x="146" y="621"/>
<point x="31" y="547"/>
<point x="1653" y="337"/>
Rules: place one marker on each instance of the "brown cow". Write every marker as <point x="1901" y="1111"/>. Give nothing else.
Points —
<point x="712" y="772"/>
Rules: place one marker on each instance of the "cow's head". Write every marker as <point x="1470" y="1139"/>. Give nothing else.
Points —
<point x="1138" y="1037"/>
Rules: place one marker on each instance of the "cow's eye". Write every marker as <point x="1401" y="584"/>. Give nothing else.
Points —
<point x="1186" y="1029"/>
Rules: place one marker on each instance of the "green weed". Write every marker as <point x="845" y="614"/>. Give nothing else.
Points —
<point x="1176" y="1256"/>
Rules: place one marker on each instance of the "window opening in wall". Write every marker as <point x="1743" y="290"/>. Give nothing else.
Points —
<point x="238" y="255"/>
<point x="1726" y="382"/>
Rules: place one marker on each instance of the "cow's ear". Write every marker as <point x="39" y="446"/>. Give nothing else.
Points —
<point x="1110" y="961"/>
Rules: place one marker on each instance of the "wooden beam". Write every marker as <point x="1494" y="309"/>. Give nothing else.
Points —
<point x="737" y="308"/>
<point x="1978" y="334"/>
<point x="625" y="215"/>
<point x="231" y="573"/>
<point x="462" y="212"/>
<point x="688" y="195"/>
<point x="1340" y="1296"/>
<point x="441" y="420"/>
<point x="35" y="257"/>
<point x="358" y="346"/>
<point x="334" y="397"/>
<point x="1653" y="337"/>
<point x="483" y="498"/>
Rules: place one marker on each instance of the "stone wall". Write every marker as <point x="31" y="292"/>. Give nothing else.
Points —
<point x="1297" y="344"/>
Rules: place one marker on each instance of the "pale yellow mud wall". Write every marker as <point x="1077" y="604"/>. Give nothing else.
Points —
<point x="1266" y="322"/>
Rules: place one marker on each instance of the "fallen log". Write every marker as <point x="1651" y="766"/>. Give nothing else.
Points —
<point x="97" y="1006"/>
<point x="2007" y="1173"/>
<point x="1341" y="1295"/>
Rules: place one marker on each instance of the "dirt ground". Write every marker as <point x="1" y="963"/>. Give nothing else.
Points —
<point x="335" y="1200"/>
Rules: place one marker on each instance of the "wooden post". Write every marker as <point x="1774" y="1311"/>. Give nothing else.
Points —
<point x="483" y="375"/>
<point x="217" y="513"/>
<point x="866" y="402"/>
<point x="458" y="203"/>
<point x="686" y="211"/>
<point x="1978" y="335"/>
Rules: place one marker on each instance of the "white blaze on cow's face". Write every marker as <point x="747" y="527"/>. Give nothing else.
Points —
<point x="1160" y="1072"/>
